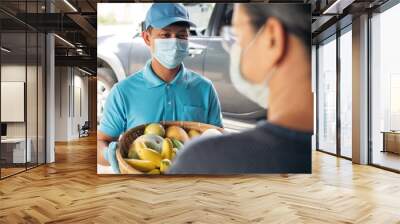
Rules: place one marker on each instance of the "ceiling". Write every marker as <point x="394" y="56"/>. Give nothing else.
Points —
<point x="74" y="21"/>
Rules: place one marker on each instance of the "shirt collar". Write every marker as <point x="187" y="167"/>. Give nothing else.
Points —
<point x="152" y="80"/>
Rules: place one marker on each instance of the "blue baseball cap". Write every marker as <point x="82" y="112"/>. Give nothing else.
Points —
<point x="161" y="15"/>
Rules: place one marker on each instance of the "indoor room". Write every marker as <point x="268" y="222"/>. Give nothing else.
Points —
<point x="64" y="64"/>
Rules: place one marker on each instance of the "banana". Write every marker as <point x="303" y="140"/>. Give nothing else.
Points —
<point x="155" y="171"/>
<point x="177" y="144"/>
<point x="132" y="152"/>
<point x="145" y="153"/>
<point x="142" y="165"/>
<point x="174" y="151"/>
<point x="166" y="151"/>
<point x="165" y="164"/>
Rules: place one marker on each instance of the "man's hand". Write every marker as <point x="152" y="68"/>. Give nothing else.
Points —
<point x="106" y="151"/>
<point x="110" y="155"/>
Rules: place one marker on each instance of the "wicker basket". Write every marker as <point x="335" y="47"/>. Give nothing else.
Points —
<point x="130" y="136"/>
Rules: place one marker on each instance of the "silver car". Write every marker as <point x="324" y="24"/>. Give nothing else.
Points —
<point x="120" y="57"/>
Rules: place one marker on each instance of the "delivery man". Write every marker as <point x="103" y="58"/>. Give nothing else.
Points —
<point x="164" y="90"/>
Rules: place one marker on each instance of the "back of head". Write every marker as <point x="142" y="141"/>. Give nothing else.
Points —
<point x="295" y="18"/>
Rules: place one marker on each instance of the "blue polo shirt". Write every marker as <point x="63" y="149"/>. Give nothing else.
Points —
<point x="144" y="98"/>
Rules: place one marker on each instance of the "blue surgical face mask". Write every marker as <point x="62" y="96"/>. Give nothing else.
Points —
<point x="257" y="93"/>
<point x="170" y="52"/>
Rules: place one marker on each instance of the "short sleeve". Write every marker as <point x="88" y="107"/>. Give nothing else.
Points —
<point x="113" y="122"/>
<point x="214" y="112"/>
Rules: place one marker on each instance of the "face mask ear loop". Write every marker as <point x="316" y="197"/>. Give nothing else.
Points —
<point x="248" y="46"/>
<point x="270" y="75"/>
<point x="273" y="70"/>
<point x="246" y="49"/>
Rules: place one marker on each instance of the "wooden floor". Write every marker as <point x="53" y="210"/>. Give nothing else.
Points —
<point x="70" y="191"/>
<point x="10" y="171"/>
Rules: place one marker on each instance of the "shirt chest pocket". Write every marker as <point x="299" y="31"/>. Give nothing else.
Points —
<point x="193" y="113"/>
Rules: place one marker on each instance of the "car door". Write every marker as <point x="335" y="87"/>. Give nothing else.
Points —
<point x="195" y="60"/>
<point x="200" y="14"/>
<point x="216" y="68"/>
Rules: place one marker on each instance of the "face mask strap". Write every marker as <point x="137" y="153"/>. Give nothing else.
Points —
<point x="270" y="75"/>
<point x="247" y="48"/>
<point x="273" y="70"/>
<point x="254" y="39"/>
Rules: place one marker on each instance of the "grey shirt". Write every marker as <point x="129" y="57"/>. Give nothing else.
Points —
<point x="267" y="148"/>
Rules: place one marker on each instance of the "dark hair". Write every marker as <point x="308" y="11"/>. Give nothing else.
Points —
<point x="295" y="18"/>
<point x="181" y="23"/>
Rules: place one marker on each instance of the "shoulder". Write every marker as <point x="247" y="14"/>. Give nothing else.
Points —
<point x="217" y="154"/>
<point x="134" y="80"/>
<point x="195" y="79"/>
<point x="251" y="151"/>
<point x="252" y="141"/>
<point x="217" y="145"/>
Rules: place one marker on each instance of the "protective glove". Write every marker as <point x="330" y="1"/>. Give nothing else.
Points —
<point x="110" y="154"/>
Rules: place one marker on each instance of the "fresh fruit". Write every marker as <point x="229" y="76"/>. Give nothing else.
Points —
<point x="155" y="171"/>
<point x="152" y="141"/>
<point x="165" y="164"/>
<point x="146" y="153"/>
<point x="155" y="128"/>
<point x="132" y="152"/>
<point x="193" y="133"/>
<point x="211" y="132"/>
<point x="177" y="144"/>
<point x="174" y="152"/>
<point x="175" y="132"/>
<point x="166" y="151"/>
<point x="155" y="150"/>
<point x="142" y="165"/>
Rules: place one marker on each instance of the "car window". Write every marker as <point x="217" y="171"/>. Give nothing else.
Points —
<point x="226" y="19"/>
<point x="200" y="14"/>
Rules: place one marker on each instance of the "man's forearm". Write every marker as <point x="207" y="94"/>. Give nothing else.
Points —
<point x="101" y="145"/>
<point x="103" y="140"/>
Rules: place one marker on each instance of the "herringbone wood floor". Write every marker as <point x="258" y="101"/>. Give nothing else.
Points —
<point x="70" y="191"/>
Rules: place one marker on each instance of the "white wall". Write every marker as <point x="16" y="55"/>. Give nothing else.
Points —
<point x="69" y="82"/>
<point x="61" y="103"/>
<point x="12" y="73"/>
<point x="33" y="127"/>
